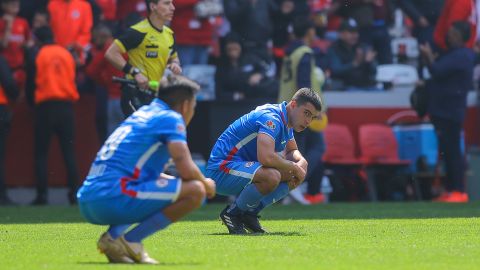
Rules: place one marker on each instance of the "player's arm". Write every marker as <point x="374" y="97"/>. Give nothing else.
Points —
<point x="294" y="155"/>
<point x="267" y="157"/>
<point x="186" y="168"/>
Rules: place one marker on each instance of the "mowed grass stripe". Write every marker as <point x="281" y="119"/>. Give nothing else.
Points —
<point x="335" y="236"/>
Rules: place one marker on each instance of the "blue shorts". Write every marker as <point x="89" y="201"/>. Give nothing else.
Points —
<point x="235" y="177"/>
<point x="150" y="198"/>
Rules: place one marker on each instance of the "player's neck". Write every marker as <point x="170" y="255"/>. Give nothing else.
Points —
<point x="289" y="109"/>
<point x="156" y="21"/>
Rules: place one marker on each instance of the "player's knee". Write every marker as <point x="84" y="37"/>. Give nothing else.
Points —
<point x="272" y="180"/>
<point x="198" y="193"/>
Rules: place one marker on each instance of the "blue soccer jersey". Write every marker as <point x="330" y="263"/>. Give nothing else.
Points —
<point x="239" y="141"/>
<point x="136" y="151"/>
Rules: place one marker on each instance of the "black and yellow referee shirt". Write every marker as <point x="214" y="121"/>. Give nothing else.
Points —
<point x="148" y="48"/>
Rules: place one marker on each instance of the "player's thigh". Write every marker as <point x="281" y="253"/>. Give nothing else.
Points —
<point x="234" y="176"/>
<point x="141" y="200"/>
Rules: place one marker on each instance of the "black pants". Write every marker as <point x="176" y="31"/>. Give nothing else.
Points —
<point x="5" y="118"/>
<point x="54" y="117"/>
<point x="448" y="134"/>
<point x="132" y="99"/>
<point x="312" y="147"/>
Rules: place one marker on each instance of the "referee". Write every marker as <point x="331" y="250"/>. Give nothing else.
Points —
<point x="150" y="47"/>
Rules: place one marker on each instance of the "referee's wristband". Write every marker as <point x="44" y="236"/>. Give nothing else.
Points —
<point x="127" y="68"/>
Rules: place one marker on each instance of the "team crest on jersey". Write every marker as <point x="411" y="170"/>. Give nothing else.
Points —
<point x="249" y="164"/>
<point x="270" y="124"/>
<point x="180" y="128"/>
<point x="161" y="183"/>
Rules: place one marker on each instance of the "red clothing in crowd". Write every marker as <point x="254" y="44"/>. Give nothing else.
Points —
<point x="101" y="71"/>
<point x="55" y="75"/>
<point x="109" y="9"/>
<point x="71" y="21"/>
<point x="20" y="34"/>
<point x="190" y="30"/>
<point x="455" y="10"/>
<point x="125" y="7"/>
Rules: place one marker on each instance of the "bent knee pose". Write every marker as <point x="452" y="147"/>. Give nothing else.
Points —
<point x="126" y="184"/>
<point x="256" y="159"/>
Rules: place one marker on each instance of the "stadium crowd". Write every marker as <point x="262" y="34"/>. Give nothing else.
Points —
<point x="247" y="41"/>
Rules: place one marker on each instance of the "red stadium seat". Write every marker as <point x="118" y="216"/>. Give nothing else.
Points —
<point x="341" y="164"/>
<point x="378" y="145"/>
<point x="340" y="147"/>
<point x="379" y="151"/>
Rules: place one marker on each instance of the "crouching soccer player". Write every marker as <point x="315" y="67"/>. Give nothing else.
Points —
<point x="126" y="183"/>
<point x="246" y="160"/>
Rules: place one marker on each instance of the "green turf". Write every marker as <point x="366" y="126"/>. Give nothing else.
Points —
<point x="335" y="236"/>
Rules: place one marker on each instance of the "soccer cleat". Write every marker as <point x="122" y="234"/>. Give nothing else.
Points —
<point x="137" y="252"/>
<point x="113" y="249"/>
<point x="251" y="223"/>
<point x="314" y="199"/>
<point x="233" y="222"/>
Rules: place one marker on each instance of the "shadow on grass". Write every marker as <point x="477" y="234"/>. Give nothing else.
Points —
<point x="384" y="210"/>
<point x="261" y="234"/>
<point x="137" y="265"/>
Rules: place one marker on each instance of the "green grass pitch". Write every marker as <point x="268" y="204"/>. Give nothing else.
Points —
<point x="334" y="236"/>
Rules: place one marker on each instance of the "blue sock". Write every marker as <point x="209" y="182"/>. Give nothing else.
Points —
<point x="249" y="198"/>
<point x="147" y="227"/>
<point x="117" y="230"/>
<point x="279" y="193"/>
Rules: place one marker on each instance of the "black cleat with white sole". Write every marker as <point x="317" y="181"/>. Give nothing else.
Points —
<point x="233" y="222"/>
<point x="251" y="223"/>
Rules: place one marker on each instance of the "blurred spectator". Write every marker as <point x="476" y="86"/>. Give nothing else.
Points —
<point x="252" y="20"/>
<point x="41" y="18"/>
<point x="282" y="23"/>
<point x="101" y="71"/>
<point x="455" y="10"/>
<point x="109" y="9"/>
<point x="298" y="71"/>
<point x="372" y="17"/>
<point x="71" y="22"/>
<point x="126" y="7"/>
<point x="193" y="34"/>
<point x="240" y="76"/>
<point x="447" y="94"/>
<point x="8" y="92"/>
<point x="29" y="7"/>
<point x="424" y="15"/>
<point x="14" y="36"/>
<point x="53" y="97"/>
<point x="352" y="66"/>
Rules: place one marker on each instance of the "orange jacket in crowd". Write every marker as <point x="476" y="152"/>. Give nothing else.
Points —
<point x="55" y="75"/>
<point x="455" y="10"/>
<point x="71" y="21"/>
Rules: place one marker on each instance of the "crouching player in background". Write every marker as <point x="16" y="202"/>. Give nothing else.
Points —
<point x="126" y="183"/>
<point x="245" y="161"/>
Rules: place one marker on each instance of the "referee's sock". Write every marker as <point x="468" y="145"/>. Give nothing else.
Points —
<point x="116" y="231"/>
<point x="147" y="227"/>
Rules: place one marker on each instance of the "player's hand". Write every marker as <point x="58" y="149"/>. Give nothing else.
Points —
<point x="175" y="68"/>
<point x="142" y="81"/>
<point x="303" y="164"/>
<point x="298" y="173"/>
<point x="209" y="187"/>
